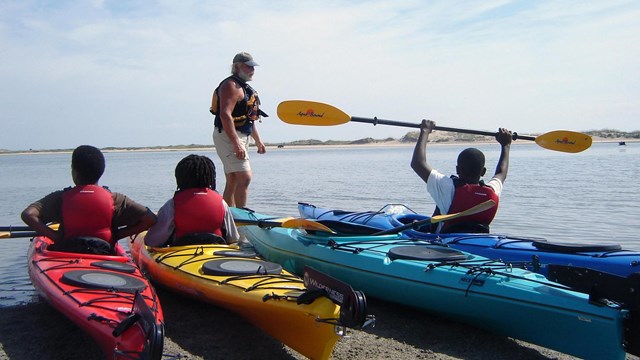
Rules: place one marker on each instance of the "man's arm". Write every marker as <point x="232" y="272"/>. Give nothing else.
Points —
<point x="145" y="222"/>
<point x="160" y="233"/>
<point x="31" y="216"/>
<point x="256" y="137"/>
<point x="230" y="226"/>
<point x="43" y="211"/>
<point x="419" y="162"/>
<point x="504" y="137"/>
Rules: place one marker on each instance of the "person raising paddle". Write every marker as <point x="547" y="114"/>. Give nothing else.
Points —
<point x="461" y="192"/>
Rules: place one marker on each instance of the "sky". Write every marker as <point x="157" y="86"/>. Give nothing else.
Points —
<point x="141" y="73"/>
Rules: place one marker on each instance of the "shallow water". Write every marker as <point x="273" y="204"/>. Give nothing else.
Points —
<point x="588" y="197"/>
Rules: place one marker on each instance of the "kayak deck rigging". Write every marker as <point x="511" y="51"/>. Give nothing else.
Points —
<point x="475" y="267"/>
<point x="114" y="295"/>
<point x="105" y="295"/>
<point x="264" y="281"/>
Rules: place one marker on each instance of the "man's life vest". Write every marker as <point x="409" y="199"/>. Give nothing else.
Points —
<point x="198" y="210"/>
<point x="246" y="111"/>
<point x="465" y="197"/>
<point x="87" y="211"/>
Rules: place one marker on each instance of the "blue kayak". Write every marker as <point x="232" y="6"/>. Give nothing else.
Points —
<point x="465" y="287"/>
<point x="536" y="254"/>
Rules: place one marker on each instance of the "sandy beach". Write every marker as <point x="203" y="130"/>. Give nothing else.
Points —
<point x="196" y="330"/>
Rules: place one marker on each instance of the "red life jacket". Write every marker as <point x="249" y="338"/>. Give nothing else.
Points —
<point x="467" y="196"/>
<point x="87" y="210"/>
<point x="198" y="210"/>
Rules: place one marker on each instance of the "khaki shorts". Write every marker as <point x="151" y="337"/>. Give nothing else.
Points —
<point x="226" y="152"/>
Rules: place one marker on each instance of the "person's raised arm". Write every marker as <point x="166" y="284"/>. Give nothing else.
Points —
<point x="504" y="137"/>
<point x="419" y="162"/>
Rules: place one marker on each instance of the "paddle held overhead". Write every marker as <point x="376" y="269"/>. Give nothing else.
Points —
<point x="301" y="112"/>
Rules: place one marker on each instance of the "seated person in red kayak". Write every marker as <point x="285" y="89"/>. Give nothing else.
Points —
<point x="458" y="193"/>
<point x="197" y="213"/>
<point x="92" y="218"/>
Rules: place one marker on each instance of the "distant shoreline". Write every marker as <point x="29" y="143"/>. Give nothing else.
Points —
<point x="380" y="143"/>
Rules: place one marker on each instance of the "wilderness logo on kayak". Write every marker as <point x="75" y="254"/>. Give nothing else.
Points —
<point x="312" y="283"/>
<point x="310" y="113"/>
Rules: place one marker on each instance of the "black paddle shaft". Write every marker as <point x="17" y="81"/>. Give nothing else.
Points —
<point x="376" y="121"/>
<point x="14" y="228"/>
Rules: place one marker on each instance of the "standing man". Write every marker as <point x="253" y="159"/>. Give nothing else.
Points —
<point x="235" y="105"/>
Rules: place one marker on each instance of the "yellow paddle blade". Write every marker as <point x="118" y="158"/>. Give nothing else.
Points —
<point x="19" y="234"/>
<point x="301" y="112"/>
<point x="274" y="222"/>
<point x="287" y="222"/>
<point x="11" y="232"/>
<point x="565" y="141"/>
<point x="474" y="210"/>
<point x="306" y="224"/>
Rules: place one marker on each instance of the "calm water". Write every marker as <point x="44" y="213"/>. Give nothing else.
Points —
<point x="590" y="196"/>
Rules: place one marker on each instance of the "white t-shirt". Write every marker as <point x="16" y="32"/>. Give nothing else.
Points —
<point x="442" y="190"/>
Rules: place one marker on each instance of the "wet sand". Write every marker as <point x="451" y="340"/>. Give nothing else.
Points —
<point x="196" y="330"/>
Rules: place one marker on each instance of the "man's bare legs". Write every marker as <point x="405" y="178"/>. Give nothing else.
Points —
<point x="236" y="189"/>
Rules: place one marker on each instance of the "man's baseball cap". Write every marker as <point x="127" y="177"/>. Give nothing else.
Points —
<point x="244" y="57"/>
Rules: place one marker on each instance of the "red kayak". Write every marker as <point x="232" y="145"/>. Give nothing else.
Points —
<point x="105" y="295"/>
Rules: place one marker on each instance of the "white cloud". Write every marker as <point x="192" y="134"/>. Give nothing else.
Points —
<point x="141" y="73"/>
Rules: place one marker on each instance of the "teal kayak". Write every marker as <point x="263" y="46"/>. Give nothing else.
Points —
<point x="469" y="288"/>
<point x="536" y="254"/>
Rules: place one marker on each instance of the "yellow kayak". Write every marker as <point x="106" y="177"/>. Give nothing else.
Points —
<point x="308" y="319"/>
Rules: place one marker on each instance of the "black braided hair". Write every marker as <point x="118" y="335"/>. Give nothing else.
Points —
<point x="88" y="162"/>
<point x="195" y="171"/>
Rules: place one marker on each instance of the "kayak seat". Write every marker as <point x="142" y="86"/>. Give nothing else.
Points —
<point x="575" y="248"/>
<point x="98" y="279"/>
<point x="468" y="227"/>
<point x="83" y="245"/>
<point x="346" y="229"/>
<point x="406" y="219"/>
<point x="426" y="253"/>
<point x="199" y="239"/>
<point x="231" y="267"/>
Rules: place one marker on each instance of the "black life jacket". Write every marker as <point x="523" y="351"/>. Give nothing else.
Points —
<point x="245" y="113"/>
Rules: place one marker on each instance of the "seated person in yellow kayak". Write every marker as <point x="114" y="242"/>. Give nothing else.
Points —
<point x="459" y="193"/>
<point x="91" y="217"/>
<point x="197" y="213"/>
